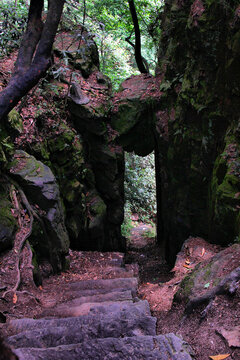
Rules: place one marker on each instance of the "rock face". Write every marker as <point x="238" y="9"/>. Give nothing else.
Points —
<point x="41" y="189"/>
<point x="188" y="114"/>
<point x="199" y="50"/>
<point x="104" y="165"/>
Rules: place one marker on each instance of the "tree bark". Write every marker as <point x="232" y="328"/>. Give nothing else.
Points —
<point x="139" y="60"/>
<point x="34" y="57"/>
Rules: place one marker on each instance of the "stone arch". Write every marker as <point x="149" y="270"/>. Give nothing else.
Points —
<point x="109" y="126"/>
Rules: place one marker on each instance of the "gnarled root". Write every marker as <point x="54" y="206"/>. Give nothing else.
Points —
<point x="23" y="241"/>
<point x="21" y="246"/>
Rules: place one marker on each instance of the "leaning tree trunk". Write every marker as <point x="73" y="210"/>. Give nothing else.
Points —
<point x="138" y="57"/>
<point x="34" y="57"/>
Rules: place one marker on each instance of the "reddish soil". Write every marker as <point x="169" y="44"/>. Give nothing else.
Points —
<point x="158" y="285"/>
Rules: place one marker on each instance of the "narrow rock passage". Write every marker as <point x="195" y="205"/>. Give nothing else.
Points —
<point x="98" y="319"/>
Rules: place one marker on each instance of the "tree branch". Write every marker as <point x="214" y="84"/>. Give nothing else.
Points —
<point x="27" y="75"/>
<point x="143" y="59"/>
<point x="31" y="37"/>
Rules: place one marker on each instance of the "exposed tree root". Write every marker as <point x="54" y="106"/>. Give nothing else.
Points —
<point x="21" y="246"/>
<point x="228" y="285"/>
<point x="23" y="242"/>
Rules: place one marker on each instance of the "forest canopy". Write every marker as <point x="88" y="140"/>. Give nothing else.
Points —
<point x="110" y="23"/>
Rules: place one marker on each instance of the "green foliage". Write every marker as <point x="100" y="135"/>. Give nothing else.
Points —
<point x="127" y="225"/>
<point x="115" y="61"/>
<point x="140" y="186"/>
<point x="12" y="25"/>
<point x="110" y="23"/>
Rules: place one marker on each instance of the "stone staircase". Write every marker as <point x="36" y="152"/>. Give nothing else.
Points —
<point x="104" y="319"/>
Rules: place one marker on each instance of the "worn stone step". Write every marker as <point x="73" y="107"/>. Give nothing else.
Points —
<point x="116" y="319"/>
<point x="83" y="304"/>
<point x="74" y="294"/>
<point x="116" y="259"/>
<point x="162" y="347"/>
<point x="120" y="272"/>
<point x="107" y="285"/>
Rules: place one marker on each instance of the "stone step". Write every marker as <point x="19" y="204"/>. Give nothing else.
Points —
<point x="83" y="304"/>
<point x="120" y="272"/>
<point x="109" y="320"/>
<point x="108" y="285"/>
<point x="116" y="259"/>
<point x="162" y="347"/>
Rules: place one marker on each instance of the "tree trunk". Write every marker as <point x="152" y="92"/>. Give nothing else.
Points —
<point x="34" y="57"/>
<point x="137" y="47"/>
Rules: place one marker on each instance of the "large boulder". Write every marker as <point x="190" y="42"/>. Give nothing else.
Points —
<point x="208" y="274"/>
<point x="41" y="189"/>
<point x="133" y="113"/>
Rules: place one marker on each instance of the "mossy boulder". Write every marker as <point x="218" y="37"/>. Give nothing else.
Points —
<point x="208" y="274"/>
<point x="39" y="184"/>
<point x="62" y="151"/>
<point x="133" y="113"/>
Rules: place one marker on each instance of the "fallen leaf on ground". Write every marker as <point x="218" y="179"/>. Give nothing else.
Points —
<point x="14" y="299"/>
<point x="219" y="357"/>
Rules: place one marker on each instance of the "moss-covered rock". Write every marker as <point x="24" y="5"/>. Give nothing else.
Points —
<point x="133" y="113"/>
<point x="208" y="274"/>
<point x="39" y="184"/>
<point x="225" y="191"/>
<point x="198" y="54"/>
